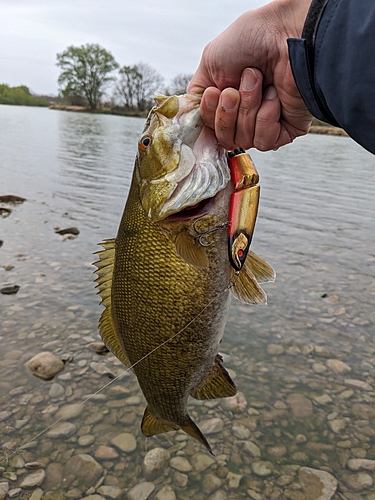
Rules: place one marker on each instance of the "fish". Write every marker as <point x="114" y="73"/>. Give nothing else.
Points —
<point x="165" y="280"/>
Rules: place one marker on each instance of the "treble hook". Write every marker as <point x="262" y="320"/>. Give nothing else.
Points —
<point x="201" y="234"/>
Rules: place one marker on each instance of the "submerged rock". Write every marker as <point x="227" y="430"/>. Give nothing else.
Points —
<point x="11" y="198"/>
<point x="9" y="289"/>
<point x="45" y="365"/>
<point x="317" y="484"/>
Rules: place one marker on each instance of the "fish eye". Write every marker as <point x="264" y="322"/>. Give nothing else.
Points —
<point x="145" y="142"/>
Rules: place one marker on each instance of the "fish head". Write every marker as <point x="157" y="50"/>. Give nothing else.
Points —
<point x="179" y="161"/>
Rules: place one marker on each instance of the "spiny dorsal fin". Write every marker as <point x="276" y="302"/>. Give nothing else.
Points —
<point x="104" y="286"/>
<point x="246" y="287"/>
<point x="193" y="430"/>
<point x="151" y="425"/>
<point x="261" y="269"/>
<point x="191" y="252"/>
<point x="217" y="384"/>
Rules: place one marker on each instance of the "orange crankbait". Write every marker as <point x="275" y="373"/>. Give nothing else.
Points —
<point x="243" y="207"/>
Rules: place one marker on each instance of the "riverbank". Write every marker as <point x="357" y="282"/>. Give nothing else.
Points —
<point x="101" y="111"/>
<point x="314" y="129"/>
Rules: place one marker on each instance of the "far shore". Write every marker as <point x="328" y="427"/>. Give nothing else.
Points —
<point x="314" y="129"/>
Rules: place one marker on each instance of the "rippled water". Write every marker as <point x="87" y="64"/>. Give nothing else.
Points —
<point x="316" y="227"/>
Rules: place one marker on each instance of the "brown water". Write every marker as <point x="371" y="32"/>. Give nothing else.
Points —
<point x="299" y="408"/>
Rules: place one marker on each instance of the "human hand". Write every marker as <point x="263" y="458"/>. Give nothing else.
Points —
<point x="249" y="97"/>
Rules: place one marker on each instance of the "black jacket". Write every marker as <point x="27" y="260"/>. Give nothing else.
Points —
<point x="334" y="66"/>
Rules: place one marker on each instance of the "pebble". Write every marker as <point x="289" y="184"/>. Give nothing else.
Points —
<point x="317" y="484"/>
<point x="69" y="412"/>
<point x="252" y="449"/>
<point x="240" y="431"/>
<point x="236" y="403"/>
<point x="337" y="425"/>
<point x="84" y="468"/>
<point x="300" y="405"/>
<point x="56" y="390"/>
<point x="275" y="349"/>
<point x="202" y="461"/>
<point x="356" y="464"/>
<point x="105" y="453"/>
<point x="45" y="365"/>
<point x="125" y="442"/>
<point x="155" y="462"/>
<point x="62" y="430"/>
<point x="4" y="488"/>
<point x="211" y="483"/>
<point x="358" y="384"/>
<point x="34" y="479"/>
<point x="338" y="366"/>
<point x="110" y="491"/>
<point x="212" y="426"/>
<point x="181" y="464"/>
<point x="86" y="440"/>
<point x="359" y="482"/>
<point x="180" y="479"/>
<point x="234" y="480"/>
<point x="166" y="493"/>
<point x="262" y="469"/>
<point x="15" y="492"/>
<point x="141" y="491"/>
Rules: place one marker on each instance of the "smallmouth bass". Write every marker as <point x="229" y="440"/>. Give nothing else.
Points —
<point x="165" y="280"/>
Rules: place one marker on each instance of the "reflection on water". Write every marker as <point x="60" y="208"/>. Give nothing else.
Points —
<point x="304" y="364"/>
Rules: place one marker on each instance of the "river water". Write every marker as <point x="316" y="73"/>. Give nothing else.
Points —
<point x="304" y="364"/>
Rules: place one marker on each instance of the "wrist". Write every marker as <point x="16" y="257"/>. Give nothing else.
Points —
<point x="292" y="14"/>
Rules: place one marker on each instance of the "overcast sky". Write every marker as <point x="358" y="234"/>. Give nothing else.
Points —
<point x="167" y="34"/>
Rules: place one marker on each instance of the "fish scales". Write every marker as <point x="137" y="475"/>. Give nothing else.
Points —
<point x="167" y="294"/>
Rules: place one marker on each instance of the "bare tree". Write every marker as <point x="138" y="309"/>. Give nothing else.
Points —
<point x="179" y="83"/>
<point x="137" y="85"/>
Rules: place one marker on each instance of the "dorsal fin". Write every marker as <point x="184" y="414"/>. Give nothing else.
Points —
<point x="191" y="252"/>
<point x="247" y="289"/>
<point x="261" y="269"/>
<point x="217" y="384"/>
<point x="104" y="285"/>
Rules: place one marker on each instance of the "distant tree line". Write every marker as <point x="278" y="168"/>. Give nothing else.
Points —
<point x="20" y="96"/>
<point x="87" y="77"/>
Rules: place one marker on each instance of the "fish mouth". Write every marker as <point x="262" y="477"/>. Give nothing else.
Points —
<point x="203" y="172"/>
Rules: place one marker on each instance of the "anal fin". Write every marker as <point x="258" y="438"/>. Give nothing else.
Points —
<point x="217" y="384"/>
<point x="246" y="288"/>
<point x="261" y="269"/>
<point x="151" y="425"/>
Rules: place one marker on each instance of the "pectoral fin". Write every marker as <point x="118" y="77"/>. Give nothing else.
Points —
<point x="190" y="251"/>
<point x="247" y="289"/>
<point x="104" y="285"/>
<point x="262" y="271"/>
<point x="217" y="384"/>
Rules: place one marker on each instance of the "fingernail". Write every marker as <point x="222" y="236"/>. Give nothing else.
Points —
<point x="211" y="100"/>
<point x="249" y="79"/>
<point x="270" y="93"/>
<point x="227" y="101"/>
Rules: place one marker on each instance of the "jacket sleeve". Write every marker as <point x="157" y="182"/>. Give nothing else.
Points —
<point x="333" y="64"/>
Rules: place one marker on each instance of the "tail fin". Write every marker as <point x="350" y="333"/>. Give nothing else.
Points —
<point x="193" y="430"/>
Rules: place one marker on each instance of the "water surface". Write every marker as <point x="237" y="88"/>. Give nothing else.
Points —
<point x="315" y="226"/>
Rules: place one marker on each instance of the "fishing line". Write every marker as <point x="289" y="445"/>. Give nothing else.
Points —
<point x="228" y="287"/>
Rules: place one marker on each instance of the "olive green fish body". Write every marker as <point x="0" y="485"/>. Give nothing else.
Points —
<point x="157" y="295"/>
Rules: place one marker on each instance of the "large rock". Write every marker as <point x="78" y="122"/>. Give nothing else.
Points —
<point x="155" y="462"/>
<point x="45" y="365"/>
<point x="84" y="468"/>
<point x="317" y="484"/>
